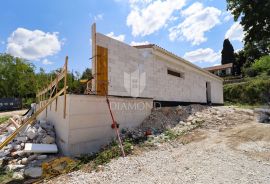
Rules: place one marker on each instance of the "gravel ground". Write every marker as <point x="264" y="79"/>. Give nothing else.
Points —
<point x="12" y="113"/>
<point x="215" y="158"/>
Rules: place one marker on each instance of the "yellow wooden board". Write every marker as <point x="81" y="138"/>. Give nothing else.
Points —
<point x="102" y="71"/>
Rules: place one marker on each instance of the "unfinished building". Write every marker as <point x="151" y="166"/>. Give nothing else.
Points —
<point x="135" y="79"/>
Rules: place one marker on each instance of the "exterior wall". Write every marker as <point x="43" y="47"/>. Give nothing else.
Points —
<point x="88" y="123"/>
<point x="61" y="125"/>
<point x="130" y="61"/>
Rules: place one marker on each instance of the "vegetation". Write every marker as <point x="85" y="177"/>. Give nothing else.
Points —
<point x="106" y="154"/>
<point x="5" y="176"/>
<point x="260" y="66"/>
<point x="227" y="53"/>
<point x="20" y="79"/>
<point x="4" y="119"/>
<point x="253" y="91"/>
<point x="255" y="19"/>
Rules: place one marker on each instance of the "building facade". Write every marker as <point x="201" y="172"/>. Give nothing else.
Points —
<point x="150" y="71"/>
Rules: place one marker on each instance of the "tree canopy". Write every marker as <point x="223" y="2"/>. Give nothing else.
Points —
<point x="227" y="53"/>
<point x="255" y="18"/>
<point x="18" y="78"/>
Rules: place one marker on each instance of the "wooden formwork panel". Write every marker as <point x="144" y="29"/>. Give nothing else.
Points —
<point x="102" y="71"/>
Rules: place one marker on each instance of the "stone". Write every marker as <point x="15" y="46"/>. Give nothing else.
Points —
<point x="41" y="131"/>
<point x="48" y="140"/>
<point x="3" y="153"/>
<point x="31" y="133"/>
<point x="17" y="176"/>
<point x="11" y="129"/>
<point x="32" y="157"/>
<point x="182" y="123"/>
<point x="17" y="147"/>
<point x="33" y="172"/>
<point x="21" y="139"/>
<point x="17" y="153"/>
<point x="41" y="157"/>
<point x="12" y="167"/>
<point x="24" y="161"/>
<point x="190" y="118"/>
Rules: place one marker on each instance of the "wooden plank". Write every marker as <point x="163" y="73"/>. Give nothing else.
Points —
<point x="54" y="82"/>
<point x="102" y="71"/>
<point x="65" y="84"/>
<point x="31" y="120"/>
<point x="14" y="123"/>
<point x="56" y="89"/>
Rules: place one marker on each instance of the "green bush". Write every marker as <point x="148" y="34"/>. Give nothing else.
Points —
<point x="260" y="66"/>
<point x="254" y="91"/>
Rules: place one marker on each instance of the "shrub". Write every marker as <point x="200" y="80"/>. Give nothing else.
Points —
<point x="254" y="91"/>
<point x="261" y="65"/>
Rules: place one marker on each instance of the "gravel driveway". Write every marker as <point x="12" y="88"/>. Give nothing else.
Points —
<point x="214" y="158"/>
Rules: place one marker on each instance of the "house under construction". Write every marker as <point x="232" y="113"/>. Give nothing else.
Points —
<point x="135" y="79"/>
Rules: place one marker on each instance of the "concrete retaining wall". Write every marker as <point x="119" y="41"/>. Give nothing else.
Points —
<point x="88" y="123"/>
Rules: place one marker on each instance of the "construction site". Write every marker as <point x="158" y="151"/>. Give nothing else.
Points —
<point x="169" y="110"/>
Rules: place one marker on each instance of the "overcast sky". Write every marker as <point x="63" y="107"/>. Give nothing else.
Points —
<point x="44" y="32"/>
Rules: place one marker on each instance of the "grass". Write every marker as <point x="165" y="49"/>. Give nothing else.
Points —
<point x="105" y="155"/>
<point x="3" y="119"/>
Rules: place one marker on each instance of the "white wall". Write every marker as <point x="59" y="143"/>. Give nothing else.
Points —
<point x="123" y="58"/>
<point x="88" y="123"/>
<point x="61" y="125"/>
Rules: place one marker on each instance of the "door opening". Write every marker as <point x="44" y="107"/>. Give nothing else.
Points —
<point x="208" y="92"/>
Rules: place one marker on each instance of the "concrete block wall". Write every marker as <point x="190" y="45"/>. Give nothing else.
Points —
<point x="88" y="123"/>
<point x="123" y="58"/>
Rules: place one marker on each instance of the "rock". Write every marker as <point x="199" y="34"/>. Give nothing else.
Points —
<point x="12" y="167"/>
<point x="17" y="153"/>
<point x="21" y="139"/>
<point x="17" y="147"/>
<point x="2" y="138"/>
<point x="11" y="129"/>
<point x="41" y="131"/>
<point x="17" y="176"/>
<point x="41" y="157"/>
<point x="190" y="118"/>
<point x="48" y="140"/>
<point x="32" y="157"/>
<point x="31" y="132"/>
<point x="182" y="123"/>
<point x="24" y="161"/>
<point x="33" y="172"/>
<point x="3" y="153"/>
<point x="19" y="162"/>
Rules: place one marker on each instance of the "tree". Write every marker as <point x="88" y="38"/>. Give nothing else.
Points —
<point x="255" y="19"/>
<point x="227" y="53"/>
<point x="240" y="60"/>
<point x="87" y="74"/>
<point x="17" y="77"/>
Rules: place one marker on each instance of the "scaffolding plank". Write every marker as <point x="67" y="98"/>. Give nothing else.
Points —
<point x="31" y="119"/>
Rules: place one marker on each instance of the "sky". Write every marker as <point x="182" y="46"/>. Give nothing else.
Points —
<point x="44" y="32"/>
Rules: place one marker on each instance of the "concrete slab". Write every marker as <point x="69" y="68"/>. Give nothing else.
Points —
<point x="40" y="148"/>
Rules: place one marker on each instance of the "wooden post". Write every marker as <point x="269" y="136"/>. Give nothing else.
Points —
<point x="65" y="85"/>
<point x="51" y="91"/>
<point x="56" y="89"/>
